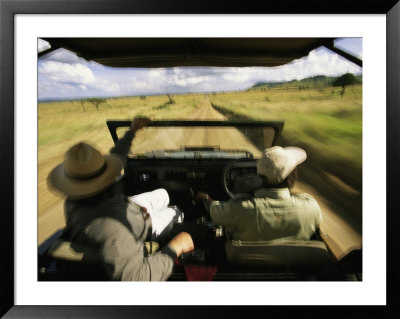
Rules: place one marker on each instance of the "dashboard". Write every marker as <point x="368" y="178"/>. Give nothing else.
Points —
<point x="223" y="179"/>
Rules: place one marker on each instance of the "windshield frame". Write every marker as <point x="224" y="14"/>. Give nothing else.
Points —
<point x="277" y="126"/>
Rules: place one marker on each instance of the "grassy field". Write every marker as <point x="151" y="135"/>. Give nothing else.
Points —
<point x="63" y="124"/>
<point x="60" y="121"/>
<point x="326" y="124"/>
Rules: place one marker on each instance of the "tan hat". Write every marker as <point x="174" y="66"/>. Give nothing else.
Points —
<point x="276" y="163"/>
<point x="85" y="171"/>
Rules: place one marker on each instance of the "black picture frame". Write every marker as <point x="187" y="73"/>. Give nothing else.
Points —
<point x="8" y="10"/>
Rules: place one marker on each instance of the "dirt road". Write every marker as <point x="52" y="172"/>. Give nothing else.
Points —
<point x="173" y="138"/>
<point x="339" y="236"/>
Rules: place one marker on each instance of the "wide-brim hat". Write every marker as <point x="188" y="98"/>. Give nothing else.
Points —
<point x="276" y="163"/>
<point x="85" y="172"/>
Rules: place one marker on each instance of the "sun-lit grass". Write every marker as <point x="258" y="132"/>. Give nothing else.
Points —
<point x="58" y="121"/>
<point x="65" y="123"/>
<point x="327" y="124"/>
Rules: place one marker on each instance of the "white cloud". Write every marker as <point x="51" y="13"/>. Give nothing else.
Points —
<point x="65" y="56"/>
<point x="43" y="45"/>
<point x="156" y="74"/>
<point x="142" y="86"/>
<point x="61" y="79"/>
<point x="106" y="86"/>
<point x="46" y="89"/>
<point x="320" y="62"/>
<point x="239" y="76"/>
<point x="193" y="80"/>
<point x="63" y="73"/>
<point x="67" y="73"/>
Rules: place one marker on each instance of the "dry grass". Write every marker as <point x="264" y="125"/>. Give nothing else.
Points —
<point x="328" y="125"/>
<point x="320" y="119"/>
<point x="63" y="124"/>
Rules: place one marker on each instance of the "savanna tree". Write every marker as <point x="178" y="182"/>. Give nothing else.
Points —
<point x="83" y="105"/>
<point x="345" y="80"/>
<point x="96" y="101"/>
<point x="170" y="99"/>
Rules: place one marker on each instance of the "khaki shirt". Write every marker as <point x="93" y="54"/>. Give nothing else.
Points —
<point x="117" y="230"/>
<point x="271" y="214"/>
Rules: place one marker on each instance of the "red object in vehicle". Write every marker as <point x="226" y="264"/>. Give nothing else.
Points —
<point x="199" y="272"/>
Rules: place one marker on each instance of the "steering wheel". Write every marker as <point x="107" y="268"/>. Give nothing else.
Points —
<point x="244" y="182"/>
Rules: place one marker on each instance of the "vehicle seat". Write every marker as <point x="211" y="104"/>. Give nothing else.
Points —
<point x="66" y="250"/>
<point x="277" y="253"/>
<point x="75" y="252"/>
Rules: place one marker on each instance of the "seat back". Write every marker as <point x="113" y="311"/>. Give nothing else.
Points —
<point x="75" y="252"/>
<point x="72" y="251"/>
<point x="296" y="253"/>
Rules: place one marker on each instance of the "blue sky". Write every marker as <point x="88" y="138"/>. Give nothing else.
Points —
<point x="62" y="75"/>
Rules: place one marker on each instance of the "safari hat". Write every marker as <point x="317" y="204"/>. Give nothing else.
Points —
<point x="85" y="171"/>
<point x="276" y="162"/>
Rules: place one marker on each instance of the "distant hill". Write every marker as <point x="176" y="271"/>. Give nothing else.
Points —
<point x="312" y="82"/>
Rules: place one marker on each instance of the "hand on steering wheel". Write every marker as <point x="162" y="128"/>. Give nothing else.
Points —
<point x="205" y="199"/>
<point x="200" y="196"/>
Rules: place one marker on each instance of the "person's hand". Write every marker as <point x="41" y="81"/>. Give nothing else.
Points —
<point x="200" y="196"/>
<point x="146" y="215"/>
<point x="143" y="209"/>
<point x="138" y="123"/>
<point x="182" y="243"/>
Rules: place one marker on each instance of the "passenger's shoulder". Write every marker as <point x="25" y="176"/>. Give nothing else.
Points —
<point x="107" y="227"/>
<point x="242" y="198"/>
<point x="240" y="202"/>
<point x="245" y="201"/>
<point x="304" y="197"/>
<point x="104" y="223"/>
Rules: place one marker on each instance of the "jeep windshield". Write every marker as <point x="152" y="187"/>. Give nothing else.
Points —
<point x="200" y="139"/>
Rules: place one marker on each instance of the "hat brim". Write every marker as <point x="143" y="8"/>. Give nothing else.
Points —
<point x="289" y="157"/>
<point x="297" y="154"/>
<point x="78" y="189"/>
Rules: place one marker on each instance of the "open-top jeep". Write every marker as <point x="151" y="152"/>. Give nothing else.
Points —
<point x="207" y="153"/>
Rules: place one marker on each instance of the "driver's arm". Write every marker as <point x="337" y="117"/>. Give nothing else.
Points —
<point x="205" y="199"/>
<point x="223" y="213"/>
<point x="220" y="212"/>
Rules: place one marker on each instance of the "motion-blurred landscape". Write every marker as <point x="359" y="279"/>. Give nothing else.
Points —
<point x="320" y="115"/>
